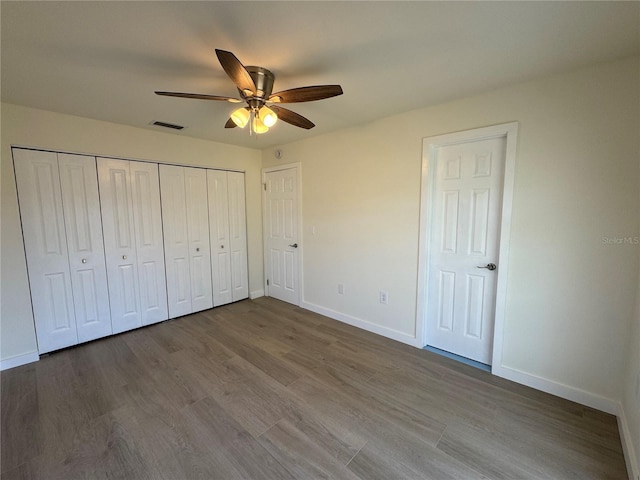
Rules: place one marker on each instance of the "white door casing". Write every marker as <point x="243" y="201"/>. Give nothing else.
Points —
<point x="465" y="224"/>
<point x="282" y="241"/>
<point x="120" y="243"/>
<point x="83" y="224"/>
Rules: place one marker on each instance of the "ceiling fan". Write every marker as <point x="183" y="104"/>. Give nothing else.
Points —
<point x="255" y="85"/>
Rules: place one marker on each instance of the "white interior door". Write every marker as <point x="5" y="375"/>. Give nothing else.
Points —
<point x="198" y="233"/>
<point x="464" y="247"/>
<point x="219" y="234"/>
<point x="147" y="215"/>
<point x="238" y="236"/>
<point x="83" y="225"/>
<point x="176" y="242"/>
<point x="45" y="241"/>
<point x="281" y="234"/>
<point x="120" y="243"/>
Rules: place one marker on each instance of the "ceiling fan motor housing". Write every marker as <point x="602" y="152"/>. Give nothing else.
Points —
<point x="263" y="80"/>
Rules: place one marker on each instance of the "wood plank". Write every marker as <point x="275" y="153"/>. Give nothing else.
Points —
<point x="262" y="389"/>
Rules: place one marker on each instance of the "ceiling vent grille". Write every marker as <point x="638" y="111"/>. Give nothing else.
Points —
<point x="167" y="125"/>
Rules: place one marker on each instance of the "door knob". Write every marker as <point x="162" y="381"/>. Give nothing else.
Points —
<point x="84" y="260"/>
<point x="221" y="246"/>
<point x="295" y="245"/>
<point x="124" y="257"/>
<point x="489" y="266"/>
<point x="198" y="249"/>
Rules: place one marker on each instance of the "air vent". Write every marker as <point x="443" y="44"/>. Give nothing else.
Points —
<point x="167" y="125"/>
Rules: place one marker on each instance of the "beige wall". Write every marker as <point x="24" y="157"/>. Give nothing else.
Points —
<point x="570" y="296"/>
<point x="46" y="130"/>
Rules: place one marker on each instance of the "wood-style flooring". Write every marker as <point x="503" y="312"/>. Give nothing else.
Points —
<point x="265" y="390"/>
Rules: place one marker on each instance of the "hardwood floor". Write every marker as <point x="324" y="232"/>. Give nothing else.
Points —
<point x="264" y="390"/>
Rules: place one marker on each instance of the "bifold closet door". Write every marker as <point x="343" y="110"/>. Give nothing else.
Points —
<point x="131" y="217"/>
<point x="185" y="219"/>
<point x="227" y="222"/>
<point x="81" y="205"/>
<point x="60" y="218"/>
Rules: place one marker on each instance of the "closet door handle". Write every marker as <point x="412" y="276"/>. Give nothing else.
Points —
<point x="295" y="245"/>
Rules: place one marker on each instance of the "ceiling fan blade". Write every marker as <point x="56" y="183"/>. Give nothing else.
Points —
<point x="292" y="117"/>
<point x="236" y="71"/>
<point x="230" y="124"/>
<point x="306" y="94"/>
<point x="199" y="96"/>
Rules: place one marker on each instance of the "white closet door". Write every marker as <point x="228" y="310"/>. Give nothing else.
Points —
<point x="238" y="235"/>
<point x="176" y="243"/>
<point x="45" y="242"/>
<point x="120" y="243"/>
<point x="219" y="232"/>
<point x="81" y="206"/>
<point x="147" y="215"/>
<point x="198" y="234"/>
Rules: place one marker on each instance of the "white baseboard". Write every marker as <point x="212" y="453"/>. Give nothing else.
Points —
<point x="363" y="324"/>
<point x="633" y="468"/>
<point x="256" y="294"/>
<point x="567" y="392"/>
<point x="18" y="360"/>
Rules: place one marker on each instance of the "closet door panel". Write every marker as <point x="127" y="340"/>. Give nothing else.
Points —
<point x="219" y="234"/>
<point x="198" y="235"/>
<point x="147" y="215"/>
<point x="120" y="244"/>
<point x="45" y="241"/>
<point x="176" y="243"/>
<point x="238" y="235"/>
<point x="83" y="225"/>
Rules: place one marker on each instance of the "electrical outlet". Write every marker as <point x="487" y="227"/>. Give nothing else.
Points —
<point x="340" y="289"/>
<point x="384" y="297"/>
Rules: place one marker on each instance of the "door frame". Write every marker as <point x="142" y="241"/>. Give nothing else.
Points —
<point x="509" y="131"/>
<point x="298" y="168"/>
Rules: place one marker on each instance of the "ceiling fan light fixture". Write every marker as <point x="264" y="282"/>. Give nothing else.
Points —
<point x="268" y="116"/>
<point x="258" y="126"/>
<point x="241" y="117"/>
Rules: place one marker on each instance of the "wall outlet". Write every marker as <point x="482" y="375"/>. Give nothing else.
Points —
<point x="384" y="297"/>
<point x="340" y="289"/>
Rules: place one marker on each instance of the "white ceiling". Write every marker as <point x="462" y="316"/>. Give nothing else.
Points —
<point x="104" y="60"/>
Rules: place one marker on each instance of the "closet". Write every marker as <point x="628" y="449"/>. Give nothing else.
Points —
<point x="228" y="236"/>
<point x="112" y="245"/>
<point x="132" y="221"/>
<point x="185" y="219"/>
<point x="60" y="214"/>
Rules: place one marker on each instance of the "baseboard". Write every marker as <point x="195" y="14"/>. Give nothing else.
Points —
<point x="363" y="324"/>
<point x="256" y="294"/>
<point x="567" y="392"/>
<point x="630" y="459"/>
<point x="18" y="360"/>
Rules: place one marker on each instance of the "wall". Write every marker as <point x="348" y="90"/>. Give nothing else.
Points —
<point x="629" y="414"/>
<point x="40" y="129"/>
<point x="570" y="290"/>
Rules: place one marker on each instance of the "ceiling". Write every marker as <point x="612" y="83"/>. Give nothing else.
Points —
<point x="104" y="60"/>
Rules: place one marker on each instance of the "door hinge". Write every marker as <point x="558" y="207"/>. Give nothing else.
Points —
<point x="265" y="186"/>
<point x="267" y="282"/>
